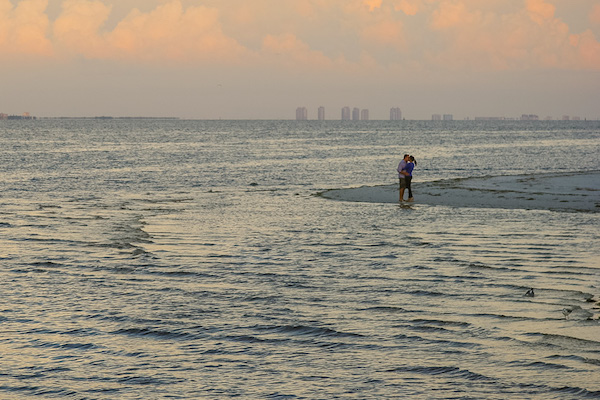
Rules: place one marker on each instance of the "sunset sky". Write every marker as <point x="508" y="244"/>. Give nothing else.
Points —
<point x="260" y="59"/>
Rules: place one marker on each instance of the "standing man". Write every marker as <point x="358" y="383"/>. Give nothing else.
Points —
<point x="409" y="169"/>
<point x="402" y="175"/>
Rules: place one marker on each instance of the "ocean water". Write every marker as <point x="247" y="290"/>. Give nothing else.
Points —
<point x="149" y="259"/>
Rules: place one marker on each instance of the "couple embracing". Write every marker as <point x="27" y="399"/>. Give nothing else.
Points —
<point x="405" y="169"/>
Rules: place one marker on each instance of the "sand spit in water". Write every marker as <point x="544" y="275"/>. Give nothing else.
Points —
<point x="565" y="192"/>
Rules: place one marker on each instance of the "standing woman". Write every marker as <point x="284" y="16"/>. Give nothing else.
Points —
<point x="402" y="175"/>
<point x="410" y="165"/>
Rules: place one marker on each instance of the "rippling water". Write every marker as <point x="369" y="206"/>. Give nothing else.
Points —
<point x="192" y="259"/>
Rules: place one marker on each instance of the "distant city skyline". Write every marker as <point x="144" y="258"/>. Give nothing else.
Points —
<point x="395" y="114"/>
<point x="356" y="114"/>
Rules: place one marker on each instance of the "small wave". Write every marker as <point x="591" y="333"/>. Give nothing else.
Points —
<point x="251" y="339"/>
<point x="154" y="333"/>
<point x="442" y="323"/>
<point x="102" y="390"/>
<point x="568" y="342"/>
<point x="149" y="380"/>
<point x="159" y="270"/>
<point x="28" y="270"/>
<point x="577" y="391"/>
<point x="430" y="293"/>
<point x="64" y="346"/>
<point x="422" y="268"/>
<point x="455" y="372"/>
<point x="73" y="332"/>
<point x="261" y="299"/>
<point x="280" y="396"/>
<point x="39" y="391"/>
<point x="387" y="309"/>
<point x="308" y="331"/>
<point x="45" y="206"/>
<point x="539" y="364"/>
<point x="448" y="345"/>
<point x="167" y="200"/>
<point x="141" y="253"/>
<point x="592" y="361"/>
<point x="429" y="328"/>
<point x="48" y="264"/>
<point x="572" y="357"/>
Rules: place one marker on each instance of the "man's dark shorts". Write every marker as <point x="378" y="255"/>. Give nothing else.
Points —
<point x="402" y="183"/>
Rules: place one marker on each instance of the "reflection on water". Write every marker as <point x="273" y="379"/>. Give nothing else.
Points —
<point x="140" y="262"/>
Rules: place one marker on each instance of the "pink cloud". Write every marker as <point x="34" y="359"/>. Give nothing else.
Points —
<point x="77" y="29"/>
<point x="588" y="49"/>
<point x="595" y="15"/>
<point x="540" y="11"/>
<point x="454" y="14"/>
<point x="168" y="33"/>
<point x="467" y="34"/>
<point x="532" y="37"/>
<point x="174" y="33"/>
<point x="408" y="7"/>
<point x="23" y="28"/>
<point x="387" y="33"/>
<point x="293" y="52"/>
<point x="373" y="4"/>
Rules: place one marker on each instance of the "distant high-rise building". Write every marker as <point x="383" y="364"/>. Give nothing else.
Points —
<point x="448" y="117"/>
<point x="321" y="113"/>
<point x="301" y="114"/>
<point x="355" y="114"/>
<point x="346" y="114"/>
<point x="436" y="117"/>
<point x="490" y="119"/>
<point x="529" y="117"/>
<point x="364" y="114"/>
<point x="566" y="118"/>
<point x="395" y="114"/>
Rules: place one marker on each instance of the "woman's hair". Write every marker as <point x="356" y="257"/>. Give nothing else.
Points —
<point x="413" y="160"/>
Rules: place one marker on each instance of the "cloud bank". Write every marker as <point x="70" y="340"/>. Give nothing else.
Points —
<point x="316" y="34"/>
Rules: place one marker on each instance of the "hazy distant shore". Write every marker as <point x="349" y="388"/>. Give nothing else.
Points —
<point x="477" y="120"/>
<point x="108" y="117"/>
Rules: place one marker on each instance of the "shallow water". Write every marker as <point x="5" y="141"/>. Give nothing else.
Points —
<point x="194" y="259"/>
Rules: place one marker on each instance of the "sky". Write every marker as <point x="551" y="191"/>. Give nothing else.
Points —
<point x="261" y="59"/>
